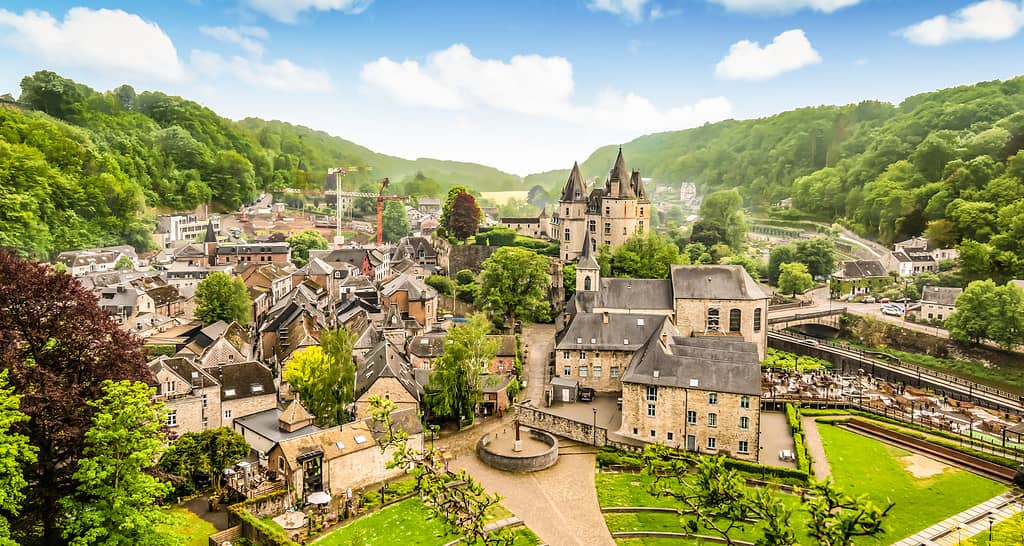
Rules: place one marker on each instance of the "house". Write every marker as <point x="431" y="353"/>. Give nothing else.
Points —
<point x="538" y="228"/>
<point x="907" y="263"/>
<point x="273" y="278"/>
<point x="920" y="245"/>
<point x="856" y="277"/>
<point x="695" y="393"/>
<point x="191" y="394"/>
<point x="125" y="302"/>
<point x="265" y="429"/>
<point x="938" y="302"/>
<point x="424" y="349"/>
<point x="429" y="205"/>
<point x="171" y="228"/>
<point x="248" y="253"/>
<point x="186" y="276"/>
<point x="92" y="260"/>
<point x="245" y="388"/>
<point x="494" y="391"/>
<point x="415" y="300"/>
<point x="370" y="262"/>
<point x="323" y="274"/>
<point x="417" y="249"/>
<point x="384" y="371"/>
<point x="428" y="225"/>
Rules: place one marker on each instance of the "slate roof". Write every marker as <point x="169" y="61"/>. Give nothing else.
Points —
<point x="627" y="294"/>
<point x="714" y="282"/>
<point x="587" y="260"/>
<point x="243" y="379"/>
<point x="106" y="254"/>
<point x="407" y="420"/>
<point x="427" y="345"/>
<point x="515" y="220"/>
<point x="860" y="269"/>
<point x="575" y="190"/>
<point x="265" y="424"/>
<point x="620" y="175"/>
<point x="417" y="289"/>
<point x="623" y="332"/>
<point x="941" y="295"/>
<point x="385" y="360"/>
<point x="716" y="364"/>
<point x="410" y="247"/>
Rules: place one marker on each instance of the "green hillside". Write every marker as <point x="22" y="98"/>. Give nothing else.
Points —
<point x="81" y="168"/>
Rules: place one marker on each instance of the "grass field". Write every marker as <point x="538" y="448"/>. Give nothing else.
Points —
<point x="865" y="466"/>
<point x="1004" y="533"/>
<point x="195" y="530"/>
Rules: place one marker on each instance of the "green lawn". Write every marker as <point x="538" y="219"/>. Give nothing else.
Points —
<point x="184" y="523"/>
<point x="862" y="465"/>
<point x="1004" y="533"/>
<point x="409" y="522"/>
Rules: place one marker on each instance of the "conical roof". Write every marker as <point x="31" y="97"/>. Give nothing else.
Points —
<point x="621" y="175"/>
<point x="211" y="234"/>
<point x="587" y="260"/>
<point x="294" y="413"/>
<point x="575" y="190"/>
<point x="637" y="184"/>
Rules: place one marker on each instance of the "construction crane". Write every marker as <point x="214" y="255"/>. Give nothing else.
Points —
<point x="381" y="198"/>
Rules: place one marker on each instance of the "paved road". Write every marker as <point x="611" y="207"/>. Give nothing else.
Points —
<point x="538" y="341"/>
<point x="820" y="302"/>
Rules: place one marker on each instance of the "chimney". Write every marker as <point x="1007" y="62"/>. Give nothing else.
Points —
<point x="604" y="317"/>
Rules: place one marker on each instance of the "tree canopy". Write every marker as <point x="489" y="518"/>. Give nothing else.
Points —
<point x="794" y="278"/>
<point x="324" y="377"/>
<point x="646" y="256"/>
<point x="465" y="216"/>
<point x="304" y="241"/>
<point x="396" y="222"/>
<point x="454" y="389"/>
<point x="514" y="284"/>
<point x="219" y="297"/>
<point x="986" y="310"/>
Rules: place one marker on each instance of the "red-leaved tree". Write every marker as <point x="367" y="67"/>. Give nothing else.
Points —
<point x="465" y="216"/>
<point x="59" y="347"/>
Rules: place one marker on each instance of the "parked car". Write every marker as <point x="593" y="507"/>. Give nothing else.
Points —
<point x="884" y="300"/>
<point x="869" y="299"/>
<point x="892" y="312"/>
<point x="586" y="394"/>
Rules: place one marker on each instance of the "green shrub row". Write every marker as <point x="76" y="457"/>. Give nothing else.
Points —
<point x="788" y="476"/>
<point x="781" y="360"/>
<point x="273" y="536"/>
<point x="803" y="457"/>
<point x="610" y="456"/>
<point x="397" y="490"/>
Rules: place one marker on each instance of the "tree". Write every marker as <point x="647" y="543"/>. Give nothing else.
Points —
<point x="115" y="502"/>
<point x="58" y="347"/>
<point x="219" y="297"/>
<point x="986" y="310"/>
<point x="454" y="389"/>
<point x="124" y="262"/>
<point x="724" y="209"/>
<point x="53" y="94"/>
<point x="324" y="377"/>
<point x="443" y="285"/>
<point x="465" y="216"/>
<point x="304" y="241"/>
<point x="698" y="253"/>
<point x="514" y="284"/>
<point x="446" y="208"/>
<point x="15" y="452"/>
<point x="779" y="255"/>
<point x="396" y="222"/>
<point x="818" y="254"/>
<point x="794" y="278"/>
<point x="205" y="453"/>
<point x="649" y="256"/>
<point x="569" y="279"/>
<point x="232" y="180"/>
<point x="754" y="267"/>
<point x="465" y="276"/>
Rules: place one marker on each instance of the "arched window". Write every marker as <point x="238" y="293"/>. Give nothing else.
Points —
<point x="712" y="321"/>
<point x="757" y="319"/>
<point x="735" y="318"/>
<point x="586" y="283"/>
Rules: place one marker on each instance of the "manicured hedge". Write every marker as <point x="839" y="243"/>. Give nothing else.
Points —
<point x="274" y="536"/>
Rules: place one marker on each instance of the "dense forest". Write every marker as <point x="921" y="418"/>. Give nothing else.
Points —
<point x="82" y="168"/>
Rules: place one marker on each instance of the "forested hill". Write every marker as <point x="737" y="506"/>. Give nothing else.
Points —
<point x="83" y="168"/>
<point x="889" y="170"/>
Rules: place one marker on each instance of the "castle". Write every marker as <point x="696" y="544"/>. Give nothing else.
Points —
<point x="607" y="215"/>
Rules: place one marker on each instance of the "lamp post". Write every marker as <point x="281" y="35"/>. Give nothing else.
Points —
<point x="990" y="520"/>
<point x="595" y="427"/>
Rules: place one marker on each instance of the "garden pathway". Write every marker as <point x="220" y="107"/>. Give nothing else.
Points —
<point x="819" y="462"/>
<point x="966" y="524"/>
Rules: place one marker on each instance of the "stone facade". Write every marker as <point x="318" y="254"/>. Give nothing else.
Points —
<point x="713" y="427"/>
<point x="696" y="318"/>
<point x="389" y="388"/>
<point x="600" y="370"/>
<point x="233" y="409"/>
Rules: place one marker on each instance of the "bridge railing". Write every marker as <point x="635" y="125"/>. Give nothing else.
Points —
<point x="806" y="316"/>
<point x="893" y="362"/>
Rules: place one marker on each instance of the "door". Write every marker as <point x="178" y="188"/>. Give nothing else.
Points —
<point x="691" y="443"/>
<point x="565" y="395"/>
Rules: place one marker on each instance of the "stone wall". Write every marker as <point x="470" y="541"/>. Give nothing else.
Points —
<point x="561" y="426"/>
<point x="612" y="364"/>
<point x="691" y="318"/>
<point x="520" y="463"/>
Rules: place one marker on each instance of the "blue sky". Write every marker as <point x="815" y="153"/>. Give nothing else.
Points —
<point x="524" y="86"/>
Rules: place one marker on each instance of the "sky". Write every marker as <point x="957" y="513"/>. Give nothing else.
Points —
<point x="524" y="86"/>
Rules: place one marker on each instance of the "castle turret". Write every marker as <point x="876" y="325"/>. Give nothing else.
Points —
<point x="588" y="271"/>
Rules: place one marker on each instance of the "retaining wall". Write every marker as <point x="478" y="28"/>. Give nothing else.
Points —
<point x="520" y="463"/>
<point x="562" y="426"/>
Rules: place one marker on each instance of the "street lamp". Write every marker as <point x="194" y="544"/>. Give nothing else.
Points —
<point x="990" y="520"/>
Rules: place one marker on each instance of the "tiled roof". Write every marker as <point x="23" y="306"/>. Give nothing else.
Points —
<point x="941" y="295"/>
<point x="623" y="332"/>
<point x="859" y="269"/>
<point x="718" y="364"/>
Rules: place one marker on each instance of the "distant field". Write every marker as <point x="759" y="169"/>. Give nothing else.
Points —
<point x="502" y="197"/>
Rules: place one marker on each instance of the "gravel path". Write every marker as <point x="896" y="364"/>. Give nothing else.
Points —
<point x="819" y="463"/>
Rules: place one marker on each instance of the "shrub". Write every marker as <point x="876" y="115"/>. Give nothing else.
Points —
<point x="465" y="276"/>
<point x="444" y="285"/>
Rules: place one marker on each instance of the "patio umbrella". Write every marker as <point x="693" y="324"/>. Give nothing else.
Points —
<point x="319" y="498"/>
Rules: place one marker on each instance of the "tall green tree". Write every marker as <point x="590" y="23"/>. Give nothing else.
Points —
<point x="446" y="207"/>
<point x="396" y="221"/>
<point x="514" y="285"/>
<point x="794" y="278"/>
<point x="15" y="452"/>
<point x="325" y="377"/>
<point x="986" y="310"/>
<point x="465" y="217"/>
<point x="304" y="241"/>
<point x="454" y="389"/>
<point x="219" y="297"/>
<point x="205" y="453"/>
<point x="115" y="503"/>
<point x="725" y="210"/>
<point x="53" y="94"/>
<point x="646" y="256"/>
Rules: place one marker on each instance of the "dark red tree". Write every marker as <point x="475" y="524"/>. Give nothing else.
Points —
<point x="58" y="346"/>
<point x="465" y="217"/>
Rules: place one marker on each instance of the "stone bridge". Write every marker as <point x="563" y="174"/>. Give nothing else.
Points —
<point x="787" y="319"/>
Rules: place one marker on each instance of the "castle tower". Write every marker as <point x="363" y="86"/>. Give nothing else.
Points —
<point x="588" y="271"/>
<point x="572" y="210"/>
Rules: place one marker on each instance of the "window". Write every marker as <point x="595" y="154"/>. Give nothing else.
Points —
<point x="669" y="436"/>
<point x="567" y="233"/>
<point x="641" y="214"/>
<point x="691" y="418"/>
<point x="593" y="226"/>
<point x="712" y="419"/>
<point x="565" y="355"/>
<point x="280" y="463"/>
<point x="583" y="371"/>
<point x="712" y="443"/>
<point x="744" y="423"/>
<point x="745" y="402"/>
<point x="713" y="398"/>
<point x="568" y="371"/>
<point x="653" y="434"/>
<point x="624" y="230"/>
<point x="607" y="211"/>
<point x="583" y="355"/>
<point x="586" y="283"/>
<point x="652" y="393"/>
<point x="634" y="431"/>
<point x="757" y="319"/>
<point x="640" y="227"/>
<point x="615" y="371"/>
<point x="650" y="410"/>
<point x="712" y="321"/>
<point x="744" y="447"/>
<point x="735" y="317"/>
<point x="597" y="370"/>
<point x="567" y="211"/>
<point x="205" y="401"/>
<point x="607" y="229"/>
<point x="172" y="418"/>
<point x="227" y="414"/>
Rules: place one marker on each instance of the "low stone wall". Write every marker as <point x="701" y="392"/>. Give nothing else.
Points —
<point x="562" y="426"/>
<point x="230" y="534"/>
<point x="520" y="463"/>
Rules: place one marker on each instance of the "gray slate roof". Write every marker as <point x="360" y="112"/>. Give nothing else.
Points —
<point x="941" y="295"/>
<point x="860" y="269"/>
<point x="628" y="294"/>
<point x="624" y="332"/>
<point x="718" y="364"/>
<point x="265" y="424"/>
<point x="714" y="282"/>
<point x="385" y="360"/>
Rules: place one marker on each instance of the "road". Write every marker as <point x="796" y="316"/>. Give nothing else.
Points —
<point x="538" y="341"/>
<point x="820" y="302"/>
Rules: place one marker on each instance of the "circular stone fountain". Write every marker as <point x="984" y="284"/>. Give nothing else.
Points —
<point x="518" y="449"/>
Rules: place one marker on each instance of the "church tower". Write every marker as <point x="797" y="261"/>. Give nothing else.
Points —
<point x="588" y="271"/>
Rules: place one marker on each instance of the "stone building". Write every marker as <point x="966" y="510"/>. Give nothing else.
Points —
<point x="607" y="215"/>
<point x="383" y="371"/>
<point x="596" y="348"/>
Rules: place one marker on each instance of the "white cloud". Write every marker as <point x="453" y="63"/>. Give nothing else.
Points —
<point x="276" y="75"/>
<point x="287" y="11"/>
<point x="542" y="87"/>
<point x="747" y="60"/>
<point x="245" y="37"/>
<point x="630" y="9"/>
<point x="784" y="6"/>
<point x="111" y="41"/>
<point x="990" y="20"/>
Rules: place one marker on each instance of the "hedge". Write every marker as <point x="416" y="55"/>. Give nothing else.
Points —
<point x="274" y="536"/>
<point x="803" y="456"/>
<point x="610" y="456"/>
<point x="371" y="499"/>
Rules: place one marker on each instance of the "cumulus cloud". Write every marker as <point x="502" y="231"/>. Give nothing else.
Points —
<point x="276" y="75"/>
<point x="455" y="79"/>
<point x="633" y="10"/>
<point x="990" y="20"/>
<point x="244" y="37"/>
<point x="784" y="6"/>
<point x="747" y="60"/>
<point x="287" y="11"/>
<point x="108" y="40"/>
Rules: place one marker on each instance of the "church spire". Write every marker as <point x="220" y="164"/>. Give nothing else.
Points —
<point x="575" y="190"/>
<point x="619" y="173"/>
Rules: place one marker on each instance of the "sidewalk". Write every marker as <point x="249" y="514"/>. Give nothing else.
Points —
<point x="819" y="462"/>
<point x="966" y="524"/>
